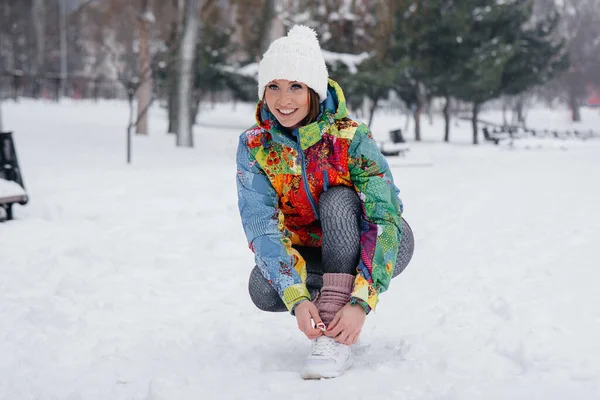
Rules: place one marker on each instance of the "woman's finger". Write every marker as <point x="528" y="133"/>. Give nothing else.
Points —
<point x="312" y="333"/>
<point x="351" y="340"/>
<point x="335" y="331"/>
<point x="335" y="321"/>
<point x="341" y="338"/>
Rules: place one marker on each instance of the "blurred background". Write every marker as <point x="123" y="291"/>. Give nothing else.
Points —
<point x="416" y="57"/>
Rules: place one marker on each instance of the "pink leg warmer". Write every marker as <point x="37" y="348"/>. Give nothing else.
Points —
<point x="335" y="294"/>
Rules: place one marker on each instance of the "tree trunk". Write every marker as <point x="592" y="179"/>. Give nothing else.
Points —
<point x="172" y="104"/>
<point x="130" y="125"/>
<point x="38" y="14"/>
<point x="266" y="26"/>
<point x="419" y="110"/>
<point x="144" y="93"/>
<point x="372" y="110"/>
<point x="429" y="110"/>
<point x="417" y="116"/>
<point x="476" y="109"/>
<point x="519" y="110"/>
<point x="63" y="48"/>
<point x="172" y="68"/>
<point x="447" y="119"/>
<point x="195" y="107"/>
<point x="8" y="62"/>
<point x="186" y="64"/>
<point x="574" y="105"/>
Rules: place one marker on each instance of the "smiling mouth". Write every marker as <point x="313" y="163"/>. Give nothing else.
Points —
<point x="286" y="112"/>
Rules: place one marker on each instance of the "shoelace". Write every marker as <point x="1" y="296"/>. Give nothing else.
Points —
<point x="323" y="346"/>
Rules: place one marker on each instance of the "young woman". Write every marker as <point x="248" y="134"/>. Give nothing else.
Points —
<point x="318" y="205"/>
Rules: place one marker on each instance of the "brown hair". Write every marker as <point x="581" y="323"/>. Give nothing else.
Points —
<point x="314" y="108"/>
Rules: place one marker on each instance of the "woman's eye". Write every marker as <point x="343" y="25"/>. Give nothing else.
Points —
<point x="273" y="86"/>
<point x="296" y="86"/>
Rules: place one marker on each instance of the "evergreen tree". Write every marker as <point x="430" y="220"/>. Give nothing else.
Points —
<point x="372" y="80"/>
<point x="492" y="41"/>
<point x="437" y="50"/>
<point x="537" y="57"/>
<point x="406" y="53"/>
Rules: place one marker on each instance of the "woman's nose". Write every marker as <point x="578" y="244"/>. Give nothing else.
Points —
<point x="285" y="99"/>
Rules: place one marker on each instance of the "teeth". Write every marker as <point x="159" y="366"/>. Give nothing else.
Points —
<point x="286" y="112"/>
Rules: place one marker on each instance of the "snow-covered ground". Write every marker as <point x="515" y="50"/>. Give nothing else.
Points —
<point x="129" y="282"/>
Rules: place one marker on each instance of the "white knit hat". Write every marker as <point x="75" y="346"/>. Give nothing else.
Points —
<point x="295" y="57"/>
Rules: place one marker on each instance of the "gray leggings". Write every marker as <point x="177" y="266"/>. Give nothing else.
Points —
<point x="340" y="211"/>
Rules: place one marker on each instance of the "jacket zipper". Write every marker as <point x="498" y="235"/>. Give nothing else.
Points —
<point x="304" y="177"/>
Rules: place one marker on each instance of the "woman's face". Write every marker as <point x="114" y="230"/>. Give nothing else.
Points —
<point x="288" y="101"/>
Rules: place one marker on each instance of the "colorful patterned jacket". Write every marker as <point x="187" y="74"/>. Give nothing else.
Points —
<point x="280" y="178"/>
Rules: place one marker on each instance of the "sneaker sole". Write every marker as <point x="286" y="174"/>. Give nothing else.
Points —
<point x="312" y="375"/>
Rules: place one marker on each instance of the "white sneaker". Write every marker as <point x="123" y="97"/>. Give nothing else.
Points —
<point x="327" y="359"/>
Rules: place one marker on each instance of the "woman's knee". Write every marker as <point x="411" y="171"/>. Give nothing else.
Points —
<point x="266" y="298"/>
<point x="263" y="295"/>
<point x="339" y="201"/>
<point x="405" y="249"/>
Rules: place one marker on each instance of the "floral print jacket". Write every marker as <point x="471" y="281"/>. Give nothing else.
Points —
<point x="280" y="178"/>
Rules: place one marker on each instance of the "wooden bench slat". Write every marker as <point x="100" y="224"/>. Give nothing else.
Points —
<point x="13" y="199"/>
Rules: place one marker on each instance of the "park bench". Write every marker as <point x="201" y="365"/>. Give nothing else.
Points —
<point x="494" y="135"/>
<point x="498" y="133"/>
<point x="12" y="189"/>
<point x="395" y="146"/>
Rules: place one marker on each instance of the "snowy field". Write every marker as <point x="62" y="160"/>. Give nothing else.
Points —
<point x="130" y="282"/>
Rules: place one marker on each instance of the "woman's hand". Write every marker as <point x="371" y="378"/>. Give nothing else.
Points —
<point x="306" y="312"/>
<point x="347" y="324"/>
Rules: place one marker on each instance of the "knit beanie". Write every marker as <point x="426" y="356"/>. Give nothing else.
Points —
<point x="295" y="57"/>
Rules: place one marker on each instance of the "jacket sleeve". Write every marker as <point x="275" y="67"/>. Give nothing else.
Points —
<point x="381" y="225"/>
<point x="262" y="220"/>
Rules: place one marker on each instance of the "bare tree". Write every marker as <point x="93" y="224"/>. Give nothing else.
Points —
<point x="63" y="47"/>
<point x="266" y="27"/>
<point x="38" y="17"/>
<point x="581" y="28"/>
<point x="144" y="92"/>
<point x="248" y="17"/>
<point x="174" y="37"/>
<point x="187" y="48"/>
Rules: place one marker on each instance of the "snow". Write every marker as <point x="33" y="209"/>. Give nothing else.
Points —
<point x="148" y="16"/>
<point x="10" y="189"/>
<point x="350" y="60"/>
<point x="250" y="70"/>
<point x="130" y="282"/>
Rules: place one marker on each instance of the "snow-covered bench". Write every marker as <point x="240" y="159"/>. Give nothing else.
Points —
<point x="12" y="190"/>
<point x="396" y="146"/>
<point x="11" y="193"/>
<point x="392" y="149"/>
